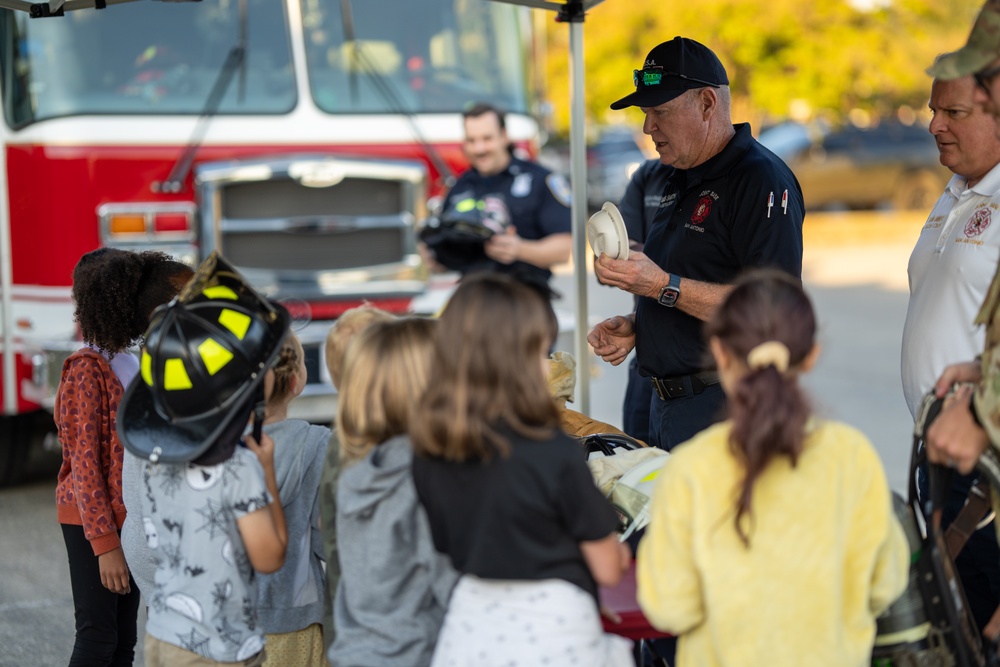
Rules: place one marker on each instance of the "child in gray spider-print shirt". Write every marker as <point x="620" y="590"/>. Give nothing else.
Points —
<point x="209" y="509"/>
<point x="204" y="594"/>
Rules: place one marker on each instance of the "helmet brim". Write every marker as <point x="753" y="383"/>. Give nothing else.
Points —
<point x="150" y="436"/>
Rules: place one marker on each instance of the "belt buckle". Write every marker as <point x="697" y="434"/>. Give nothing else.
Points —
<point x="669" y="387"/>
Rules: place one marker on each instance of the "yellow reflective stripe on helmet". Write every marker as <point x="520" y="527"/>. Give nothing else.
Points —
<point x="214" y="356"/>
<point x="236" y="322"/>
<point x="175" y="375"/>
<point x="146" y="368"/>
<point x="220" y="292"/>
<point x="465" y="205"/>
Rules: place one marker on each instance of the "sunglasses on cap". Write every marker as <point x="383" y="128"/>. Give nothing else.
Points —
<point x="652" y="76"/>
<point x="984" y="77"/>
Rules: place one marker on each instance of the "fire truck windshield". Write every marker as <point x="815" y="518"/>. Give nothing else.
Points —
<point x="400" y="56"/>
<point x="390" y="56"/>
<point x="143" y="57"/>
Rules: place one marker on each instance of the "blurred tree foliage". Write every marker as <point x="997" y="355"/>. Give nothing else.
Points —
<point x="785" y="58"/>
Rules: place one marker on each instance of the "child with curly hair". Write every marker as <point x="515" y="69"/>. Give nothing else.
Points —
<point x="114" y="291"/>
<point x="290" y="601"/>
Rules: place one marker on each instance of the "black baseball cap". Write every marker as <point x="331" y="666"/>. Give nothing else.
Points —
<point x="670" y="69"/>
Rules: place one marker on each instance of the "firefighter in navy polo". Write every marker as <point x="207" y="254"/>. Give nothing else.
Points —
<point x="503" y="214"/>
<point x="728" y="205"/>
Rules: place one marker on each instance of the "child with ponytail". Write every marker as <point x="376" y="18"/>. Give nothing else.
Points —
<point x="772" y="538"/>
<point x="290" y="601"/>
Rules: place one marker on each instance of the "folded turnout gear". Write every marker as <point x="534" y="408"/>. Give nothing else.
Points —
<point x="625" y="471"/>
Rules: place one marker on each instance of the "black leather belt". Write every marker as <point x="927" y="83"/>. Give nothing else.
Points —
<point x="683" y="385"/>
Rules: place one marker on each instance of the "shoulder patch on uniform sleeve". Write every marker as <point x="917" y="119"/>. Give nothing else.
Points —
<point x="559" y="188"/>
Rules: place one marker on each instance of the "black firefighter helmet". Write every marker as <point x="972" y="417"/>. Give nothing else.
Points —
<point x="202" y="369"/>
<point x="456" y="237"/>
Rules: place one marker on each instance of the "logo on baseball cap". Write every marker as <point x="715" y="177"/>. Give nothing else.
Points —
<point x="672" y="68"/>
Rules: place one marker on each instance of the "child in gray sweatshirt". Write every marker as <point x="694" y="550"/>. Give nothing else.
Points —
<point x="394" y="585"/>
<point x="290" y="601"/>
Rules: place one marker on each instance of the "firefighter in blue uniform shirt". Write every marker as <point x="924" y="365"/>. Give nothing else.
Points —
<point x="729" y="205"/>
<point x="503" y="214"/>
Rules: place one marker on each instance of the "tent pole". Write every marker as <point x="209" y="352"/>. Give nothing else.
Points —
<point x="573" y="12"/>
<point x="578" y="178"/>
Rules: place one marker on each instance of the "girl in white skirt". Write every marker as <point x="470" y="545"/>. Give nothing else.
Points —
<point x="509" y="496"/>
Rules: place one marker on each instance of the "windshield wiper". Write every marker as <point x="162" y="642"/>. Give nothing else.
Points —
<point x="235" y="59"/>
<point x="385" y="88"/>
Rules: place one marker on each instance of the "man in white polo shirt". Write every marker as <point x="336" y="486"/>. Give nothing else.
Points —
<point x="950" y="271"/>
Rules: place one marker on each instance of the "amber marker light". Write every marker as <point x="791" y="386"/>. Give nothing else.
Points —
<point x="126" y="224"/>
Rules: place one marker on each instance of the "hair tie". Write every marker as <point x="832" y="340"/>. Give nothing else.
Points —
<point x="771" y="353"/>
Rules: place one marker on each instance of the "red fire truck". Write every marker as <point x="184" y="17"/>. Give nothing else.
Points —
<point x="301" y="138"/>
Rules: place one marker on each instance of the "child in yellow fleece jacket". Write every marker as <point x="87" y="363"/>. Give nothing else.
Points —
<point x="772" y="539"/>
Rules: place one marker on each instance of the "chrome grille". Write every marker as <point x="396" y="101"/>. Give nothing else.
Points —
<point x="287" y="198"/>
<point x="309" y="251"/>
<point x="298" y="220"/>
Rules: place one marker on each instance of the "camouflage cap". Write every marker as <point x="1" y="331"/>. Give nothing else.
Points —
<point x="982" y="47"/>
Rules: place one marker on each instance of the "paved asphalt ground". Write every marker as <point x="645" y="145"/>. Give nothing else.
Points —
<point x="855" y="270"/>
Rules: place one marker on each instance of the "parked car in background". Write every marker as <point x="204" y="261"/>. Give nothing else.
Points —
<point x="611" y="161"/>
<point x="890" y="165"/>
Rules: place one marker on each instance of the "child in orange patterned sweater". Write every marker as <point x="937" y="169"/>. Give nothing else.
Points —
<point x="114" y="292"/>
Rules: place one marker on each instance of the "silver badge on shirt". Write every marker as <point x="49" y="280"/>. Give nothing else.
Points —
<point x="521" y="187"/>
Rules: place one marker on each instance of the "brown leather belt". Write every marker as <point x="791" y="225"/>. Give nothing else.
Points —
<point x="977" y="508"/>
<point x="683" y="385"/>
